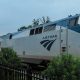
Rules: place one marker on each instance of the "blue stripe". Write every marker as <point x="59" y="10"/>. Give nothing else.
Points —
<point x="75" y="28"/>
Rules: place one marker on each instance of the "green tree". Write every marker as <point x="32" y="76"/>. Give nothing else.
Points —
<point x="35" y="23"/>
<point x="22" y="28"/>
<point x="9" y="56"/>
<point x="44" y="20"/>
<point x="29" y="26"/>
<point x="65" y="67"/>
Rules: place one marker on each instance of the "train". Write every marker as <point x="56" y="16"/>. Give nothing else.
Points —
<point x="41" y="43"/>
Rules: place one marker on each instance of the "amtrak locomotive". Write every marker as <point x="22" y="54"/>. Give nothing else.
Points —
<point x="43" y="42"/>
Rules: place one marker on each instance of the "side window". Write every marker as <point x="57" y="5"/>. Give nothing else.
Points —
<point x="24" y="52"/>
<point x="73" y="22"/>
<point x="50" y="27"/>
<point x="10" y="37"/>
<point x="32" y="32"/>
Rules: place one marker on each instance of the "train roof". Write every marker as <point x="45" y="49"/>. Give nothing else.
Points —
<point x="61" y="22"/>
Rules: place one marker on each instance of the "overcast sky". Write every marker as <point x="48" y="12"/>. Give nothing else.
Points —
<point x="17" y="13"/>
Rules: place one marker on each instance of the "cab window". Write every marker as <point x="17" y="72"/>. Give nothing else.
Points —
<point x="32" y="32"/>
<point x="36" y="31"/>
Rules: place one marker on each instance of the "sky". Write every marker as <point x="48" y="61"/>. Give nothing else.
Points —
<point x="17" y="13"/>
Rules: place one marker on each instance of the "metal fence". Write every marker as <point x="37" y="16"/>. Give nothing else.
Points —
<point x="20" y="73"/>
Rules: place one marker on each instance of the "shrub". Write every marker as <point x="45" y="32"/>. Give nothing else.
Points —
<point x="9" y="56"/>
<point x="65" y="67"/>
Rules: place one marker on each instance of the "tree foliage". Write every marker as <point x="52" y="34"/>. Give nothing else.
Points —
<point x="9" y="56"/>
<point x="42" y="20"/>
<point x="22" y="28"/>
<point x="45" y="20"/>
<point x="65" y="67"/>
<point x="35" y="23"/>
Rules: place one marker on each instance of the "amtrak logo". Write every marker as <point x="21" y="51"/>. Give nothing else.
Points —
<point x="47" y="44"/>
